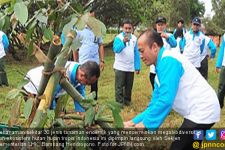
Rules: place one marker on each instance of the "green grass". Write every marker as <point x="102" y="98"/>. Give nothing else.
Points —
<point x="140" y="96"/>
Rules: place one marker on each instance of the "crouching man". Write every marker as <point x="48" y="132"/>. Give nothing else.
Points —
<point x="79" y="76"/>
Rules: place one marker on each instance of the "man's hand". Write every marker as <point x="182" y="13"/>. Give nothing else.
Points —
<point x="164" y="35"/>
<point x="126" y="38"/>
<point x="128" y="124"/>
<point x="217" y="70"/>
<point x="140" y="126"/>
<point x="137" y="72"/>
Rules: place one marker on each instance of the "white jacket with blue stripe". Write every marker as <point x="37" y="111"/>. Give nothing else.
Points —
<point x="179" y="85"/>
<point x="193" y="46"/>
<point x="127" y="57"/>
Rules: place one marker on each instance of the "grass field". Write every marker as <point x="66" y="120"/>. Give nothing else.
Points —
<point x="140" y="97"/>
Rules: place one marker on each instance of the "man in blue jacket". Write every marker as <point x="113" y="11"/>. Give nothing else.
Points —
<point x="168" y="41"/>
<point x="194" y="43"/>
<point x="177" y="86"/>
<point x="220" y="67"/>
<point x="79" y="76"/>
<point x="209" y="45"/>
<point x="4" y="44"/>
<point x="127" y="61"/>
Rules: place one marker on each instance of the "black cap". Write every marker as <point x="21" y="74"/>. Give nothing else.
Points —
<point x="181" y="20"/>
<point x="197" y="20"/>
<point x="160" y="19"/>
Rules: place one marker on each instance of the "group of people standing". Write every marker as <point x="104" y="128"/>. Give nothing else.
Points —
<point x="178" y="73"/>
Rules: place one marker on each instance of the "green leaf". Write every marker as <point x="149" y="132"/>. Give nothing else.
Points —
<point x="40" y="119"/>
<point x="115" y="108"/>
<point x="89" y="116"/>
<point x="28" y="108"/>
<point x="114" y="105"/>
<point x="59" y="123"/>
<point x="61" y="104"/>
<point x="48" y="34"/>
<point x="69" y="26"/>
<point x="2" y="21"/>
<point x="42" y="18"/>
<point x="21" y="12"/>
<point x="118" y="121"/>
<point x="103" y="28"/>
<point x="30" y="30"/>
<point x="100" y="111"/>
<point x="82" y="21"/>
<point x="30" y="48"/>
<point x="4" y="1"/>
<point x="22" y="83"/>
<point x="51" y="114"/>
<point x="15" y="112"/>
<point x="76" y="43"/>
<point x="95" y="26"/>
<point x="13" y="94"/>
<point x="6" y="24"/>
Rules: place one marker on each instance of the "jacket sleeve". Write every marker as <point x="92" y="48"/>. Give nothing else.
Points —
<point x="172" y="41"/>
<point x="212" y="47"/>
<point x="169" y="74"/>
<point x="137" y="61"/>
<point x="118" y="45"/>
<point x="220" y="55"/>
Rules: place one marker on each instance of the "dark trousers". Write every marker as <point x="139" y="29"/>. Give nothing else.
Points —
<point x="123" y="86"/>
<point x="204" y="68"/>
<point x="94" y="87"/>
<point x="186" y="140"/>
<point x="221" y="87"/>
<point x="3" y="76"/>
<point x="152" y="79"/>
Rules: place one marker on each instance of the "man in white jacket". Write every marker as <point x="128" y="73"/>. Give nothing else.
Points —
<point x="127" y="61"/>
<point x="178" y="87"/>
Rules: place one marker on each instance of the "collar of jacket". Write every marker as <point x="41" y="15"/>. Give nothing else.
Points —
<point x="196" y="34"/>
<point x="123" y="33"/>
<point x="74" y="73"/>
<point x="162" y="49"/>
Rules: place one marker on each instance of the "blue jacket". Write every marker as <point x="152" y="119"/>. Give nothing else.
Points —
<point x="119" y="46"/>
<point x="169" y="72"/>
<point x="220" y="60"/>
<point x="79" y="87"/>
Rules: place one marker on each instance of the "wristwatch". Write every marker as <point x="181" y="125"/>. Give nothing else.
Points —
<point x="103" y="61"/>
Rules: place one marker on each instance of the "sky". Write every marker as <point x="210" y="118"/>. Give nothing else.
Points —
<point x="208" y="8"/>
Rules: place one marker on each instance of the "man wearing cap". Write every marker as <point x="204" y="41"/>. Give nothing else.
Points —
<point x="168" y="41"/>
<point x="194" y="42"/>
<point x="127" y="61"/>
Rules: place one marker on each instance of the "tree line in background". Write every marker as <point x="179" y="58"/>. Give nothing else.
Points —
<point x="40" y="20"/>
